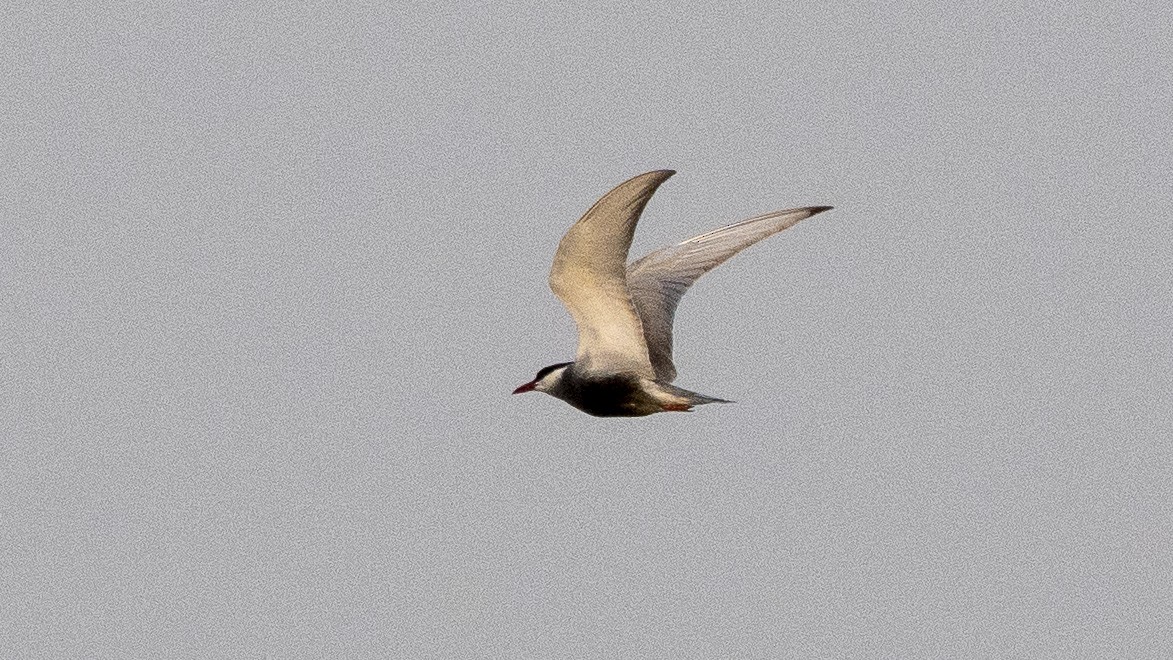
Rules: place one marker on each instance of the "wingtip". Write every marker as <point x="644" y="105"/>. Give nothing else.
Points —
<point x="815" y="210"/>
<point x="655" y="178"/>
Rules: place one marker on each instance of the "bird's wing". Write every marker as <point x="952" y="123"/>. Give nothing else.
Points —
<point x="658" y="281"/>
<point x="590" y="278"/>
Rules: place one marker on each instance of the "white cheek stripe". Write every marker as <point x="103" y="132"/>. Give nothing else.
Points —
<point x="549" y="380"/>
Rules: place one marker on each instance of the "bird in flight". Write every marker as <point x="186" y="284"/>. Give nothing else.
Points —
<point x="624" y="312"/>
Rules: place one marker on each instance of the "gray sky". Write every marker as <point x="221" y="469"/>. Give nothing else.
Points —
<point x="271" y="274"/>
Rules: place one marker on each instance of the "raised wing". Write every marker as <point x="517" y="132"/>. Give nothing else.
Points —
<point x="590" y="277"/>
<point x="658" y="281"/>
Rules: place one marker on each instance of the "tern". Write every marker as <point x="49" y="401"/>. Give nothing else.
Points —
<point x="624" y="312"/>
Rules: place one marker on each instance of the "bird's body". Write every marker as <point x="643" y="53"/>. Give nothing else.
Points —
<point x="624" y="313"/>
<point x="621" y="394"/>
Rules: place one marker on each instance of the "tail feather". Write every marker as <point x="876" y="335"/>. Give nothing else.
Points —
<point x="694" y="398"/>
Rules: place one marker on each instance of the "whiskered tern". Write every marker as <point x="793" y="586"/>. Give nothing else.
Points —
<point x="624" y="312"/>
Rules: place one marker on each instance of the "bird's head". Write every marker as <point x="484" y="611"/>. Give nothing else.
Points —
<point x="546" y="379"/>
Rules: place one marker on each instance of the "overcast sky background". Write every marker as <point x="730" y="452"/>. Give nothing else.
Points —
<point x="270" y="273"/>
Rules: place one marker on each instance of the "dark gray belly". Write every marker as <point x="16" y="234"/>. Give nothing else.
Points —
<point x="610" y="396"/>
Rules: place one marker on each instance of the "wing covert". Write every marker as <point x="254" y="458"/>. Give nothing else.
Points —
<point x="589" y="276"/>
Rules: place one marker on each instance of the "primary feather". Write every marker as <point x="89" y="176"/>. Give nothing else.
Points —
<point x="658" y="281"/>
